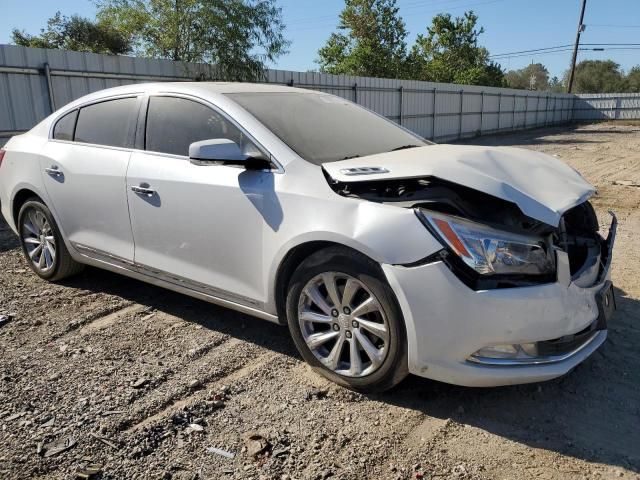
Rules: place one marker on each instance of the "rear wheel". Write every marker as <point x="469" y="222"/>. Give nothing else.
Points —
<point x="345" y="320"/>
<point x="42" y="243"/>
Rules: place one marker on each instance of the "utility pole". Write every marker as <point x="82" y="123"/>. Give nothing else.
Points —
<point x="575" y="48"/>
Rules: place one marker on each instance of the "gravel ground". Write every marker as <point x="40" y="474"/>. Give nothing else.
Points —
<point x="138" y="382"/>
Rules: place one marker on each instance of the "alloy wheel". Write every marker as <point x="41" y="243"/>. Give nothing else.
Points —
<point x="343" y="324"/>
<point x="39" y="240"/>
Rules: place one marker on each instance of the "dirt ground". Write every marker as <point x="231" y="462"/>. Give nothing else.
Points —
<point x="141" y="382"/>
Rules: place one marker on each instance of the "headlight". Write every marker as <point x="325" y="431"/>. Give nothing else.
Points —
<point x="489" y="251"/>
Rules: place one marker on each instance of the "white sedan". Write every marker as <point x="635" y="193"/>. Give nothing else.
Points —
<point x="384" y="253"/>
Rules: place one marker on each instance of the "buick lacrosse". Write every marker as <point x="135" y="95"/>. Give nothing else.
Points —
<point x="384" y="253"/>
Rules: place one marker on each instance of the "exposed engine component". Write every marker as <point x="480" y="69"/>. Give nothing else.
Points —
<point x="577" y="233"/>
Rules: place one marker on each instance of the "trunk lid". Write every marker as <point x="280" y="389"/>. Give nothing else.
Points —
<point x="540" y="185"/>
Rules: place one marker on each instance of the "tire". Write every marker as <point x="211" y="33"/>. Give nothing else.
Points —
<point x="36" y="224"/>
<point x="369" y="317"/>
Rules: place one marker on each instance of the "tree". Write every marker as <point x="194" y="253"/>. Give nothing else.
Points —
<point x="532" y="77"/>
<point x="76" y="33"/>
<point x="450" y="53"/>
<point x="598" y="76"/>
<point x="370" y="41"/>
<point x="556" y="85"/>
<point x="633" y="80"/>
<point x="237" y="36"/>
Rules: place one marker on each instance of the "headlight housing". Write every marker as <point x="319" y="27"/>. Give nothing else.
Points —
<point x="489" y="251"/>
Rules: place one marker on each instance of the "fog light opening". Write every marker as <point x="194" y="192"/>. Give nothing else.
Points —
<point x="507" y="351"/>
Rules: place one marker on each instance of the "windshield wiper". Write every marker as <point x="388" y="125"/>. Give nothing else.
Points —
<point x="404" y="147"/>
<point x="348" y="157"/>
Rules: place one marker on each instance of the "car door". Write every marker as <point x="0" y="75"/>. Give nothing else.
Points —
<point x="198" y="225"/>
<point x="85" y="176"/>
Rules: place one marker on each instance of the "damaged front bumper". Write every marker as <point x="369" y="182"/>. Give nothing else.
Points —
<point x="561" y="323"/>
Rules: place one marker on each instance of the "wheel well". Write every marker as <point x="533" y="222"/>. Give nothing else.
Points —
<point x="289" y="264"/>
<point x="21" y="197"/>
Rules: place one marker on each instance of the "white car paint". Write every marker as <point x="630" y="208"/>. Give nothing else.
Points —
<point x="542" y="186"/>
<point x="232" y="245"/>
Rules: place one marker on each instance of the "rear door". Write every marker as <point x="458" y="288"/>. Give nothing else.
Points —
<point x="198" y="225"/>
<point x="85" y="176"/>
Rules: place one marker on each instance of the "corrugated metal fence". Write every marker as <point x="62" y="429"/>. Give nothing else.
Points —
<point x="34" y="82"/>
<point x="607" y="106"/>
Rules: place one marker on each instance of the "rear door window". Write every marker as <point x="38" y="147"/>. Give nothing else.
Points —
<point x="64" y="128"/>
<point x="110" y="123"/>
<point x="175" y="123"/>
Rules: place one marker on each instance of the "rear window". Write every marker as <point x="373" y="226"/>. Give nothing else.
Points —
<point x="109" y="123"/>
<point x="63" y="129"/>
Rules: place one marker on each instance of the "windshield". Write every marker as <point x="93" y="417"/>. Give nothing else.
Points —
<point x="323" y="128"/>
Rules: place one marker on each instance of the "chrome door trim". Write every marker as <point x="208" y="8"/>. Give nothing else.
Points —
<point x="175" y="282"/>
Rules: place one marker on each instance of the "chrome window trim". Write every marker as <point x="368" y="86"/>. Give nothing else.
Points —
<point x="62" y="112"/>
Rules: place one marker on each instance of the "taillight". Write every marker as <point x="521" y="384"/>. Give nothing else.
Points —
<point x="2" y="152"/>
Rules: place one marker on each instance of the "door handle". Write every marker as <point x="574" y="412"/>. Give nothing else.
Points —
<point x="53" y="171"/>
<point x="147" y="192"/>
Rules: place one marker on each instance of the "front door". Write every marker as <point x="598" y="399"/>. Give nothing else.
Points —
<point x="199" y="226"/>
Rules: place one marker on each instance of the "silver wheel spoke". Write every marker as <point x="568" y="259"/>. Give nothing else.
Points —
<point x="378" y="329"/>
<point x="309" y="316"/>
<point x="314" y="294"/>
<point x="350" y="289"/>
<point x="31" y="240"/>
<point x="372" y="352"/>
<point x="318" y="339"/>
<point x="48" y="258"/>
<point x="33" y="230"/>
<point x="51" y="239"/>
<point x="329" y="280"/>
<point x="34" y="253"/>
<point x="354" y="358"/>
<point x="368" y="306"/>
<point x="42" y="263"/>
<point x="334" y="356"/>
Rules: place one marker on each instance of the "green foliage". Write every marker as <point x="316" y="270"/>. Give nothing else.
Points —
<point x="371" y="41"/>
<point x="633" y="80"/>
<point x="449" y="52"/>
<point x="237" y="36"/>
<point x="598" y="76"/>
<point x="76" y="33"/>
<point x="531" y="77"/>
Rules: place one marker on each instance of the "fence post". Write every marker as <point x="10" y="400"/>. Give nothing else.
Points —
<point x="461" y="112"/>
<point x="401" y="89"/>
<point x="526" y="110"/>
<point x="481" y="110"/>
<point x="355" y="93"/>
<point x="52" y="100"/>
<point x="546" y="111"/>
<point x="433" y="123"/>
<point x="499" y="109"/>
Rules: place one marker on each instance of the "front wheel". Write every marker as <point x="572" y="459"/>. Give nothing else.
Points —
<point x="345" y="321"/>
<point x="42" y="243"/>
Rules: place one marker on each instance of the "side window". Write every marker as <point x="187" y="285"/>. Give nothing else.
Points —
<point x="108" y="123"/>
<point x="63" y="130"/>
<point x="175" y="123"/>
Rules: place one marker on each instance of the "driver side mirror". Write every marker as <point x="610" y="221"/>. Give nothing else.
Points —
<point x="226" y="152"/>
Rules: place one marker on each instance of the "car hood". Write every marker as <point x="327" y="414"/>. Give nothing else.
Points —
<point x="540" y="185"/>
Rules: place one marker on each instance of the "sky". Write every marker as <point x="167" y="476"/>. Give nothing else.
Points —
<point x="510" y="26"/>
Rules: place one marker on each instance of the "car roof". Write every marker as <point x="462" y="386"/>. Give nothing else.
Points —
<point x="194" y="88"/>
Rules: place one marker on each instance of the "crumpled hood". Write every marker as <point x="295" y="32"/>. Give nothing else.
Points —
<point x="540" y="185"/>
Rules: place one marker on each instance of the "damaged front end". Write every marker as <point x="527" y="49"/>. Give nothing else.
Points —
<point x="489" y="243"/>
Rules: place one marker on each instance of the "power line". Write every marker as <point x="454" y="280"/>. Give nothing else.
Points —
<point x="529" y="51"/>
<point x="561" y="48"/>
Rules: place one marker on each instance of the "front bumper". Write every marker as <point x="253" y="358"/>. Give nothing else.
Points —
<point x="447" y="322"/>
